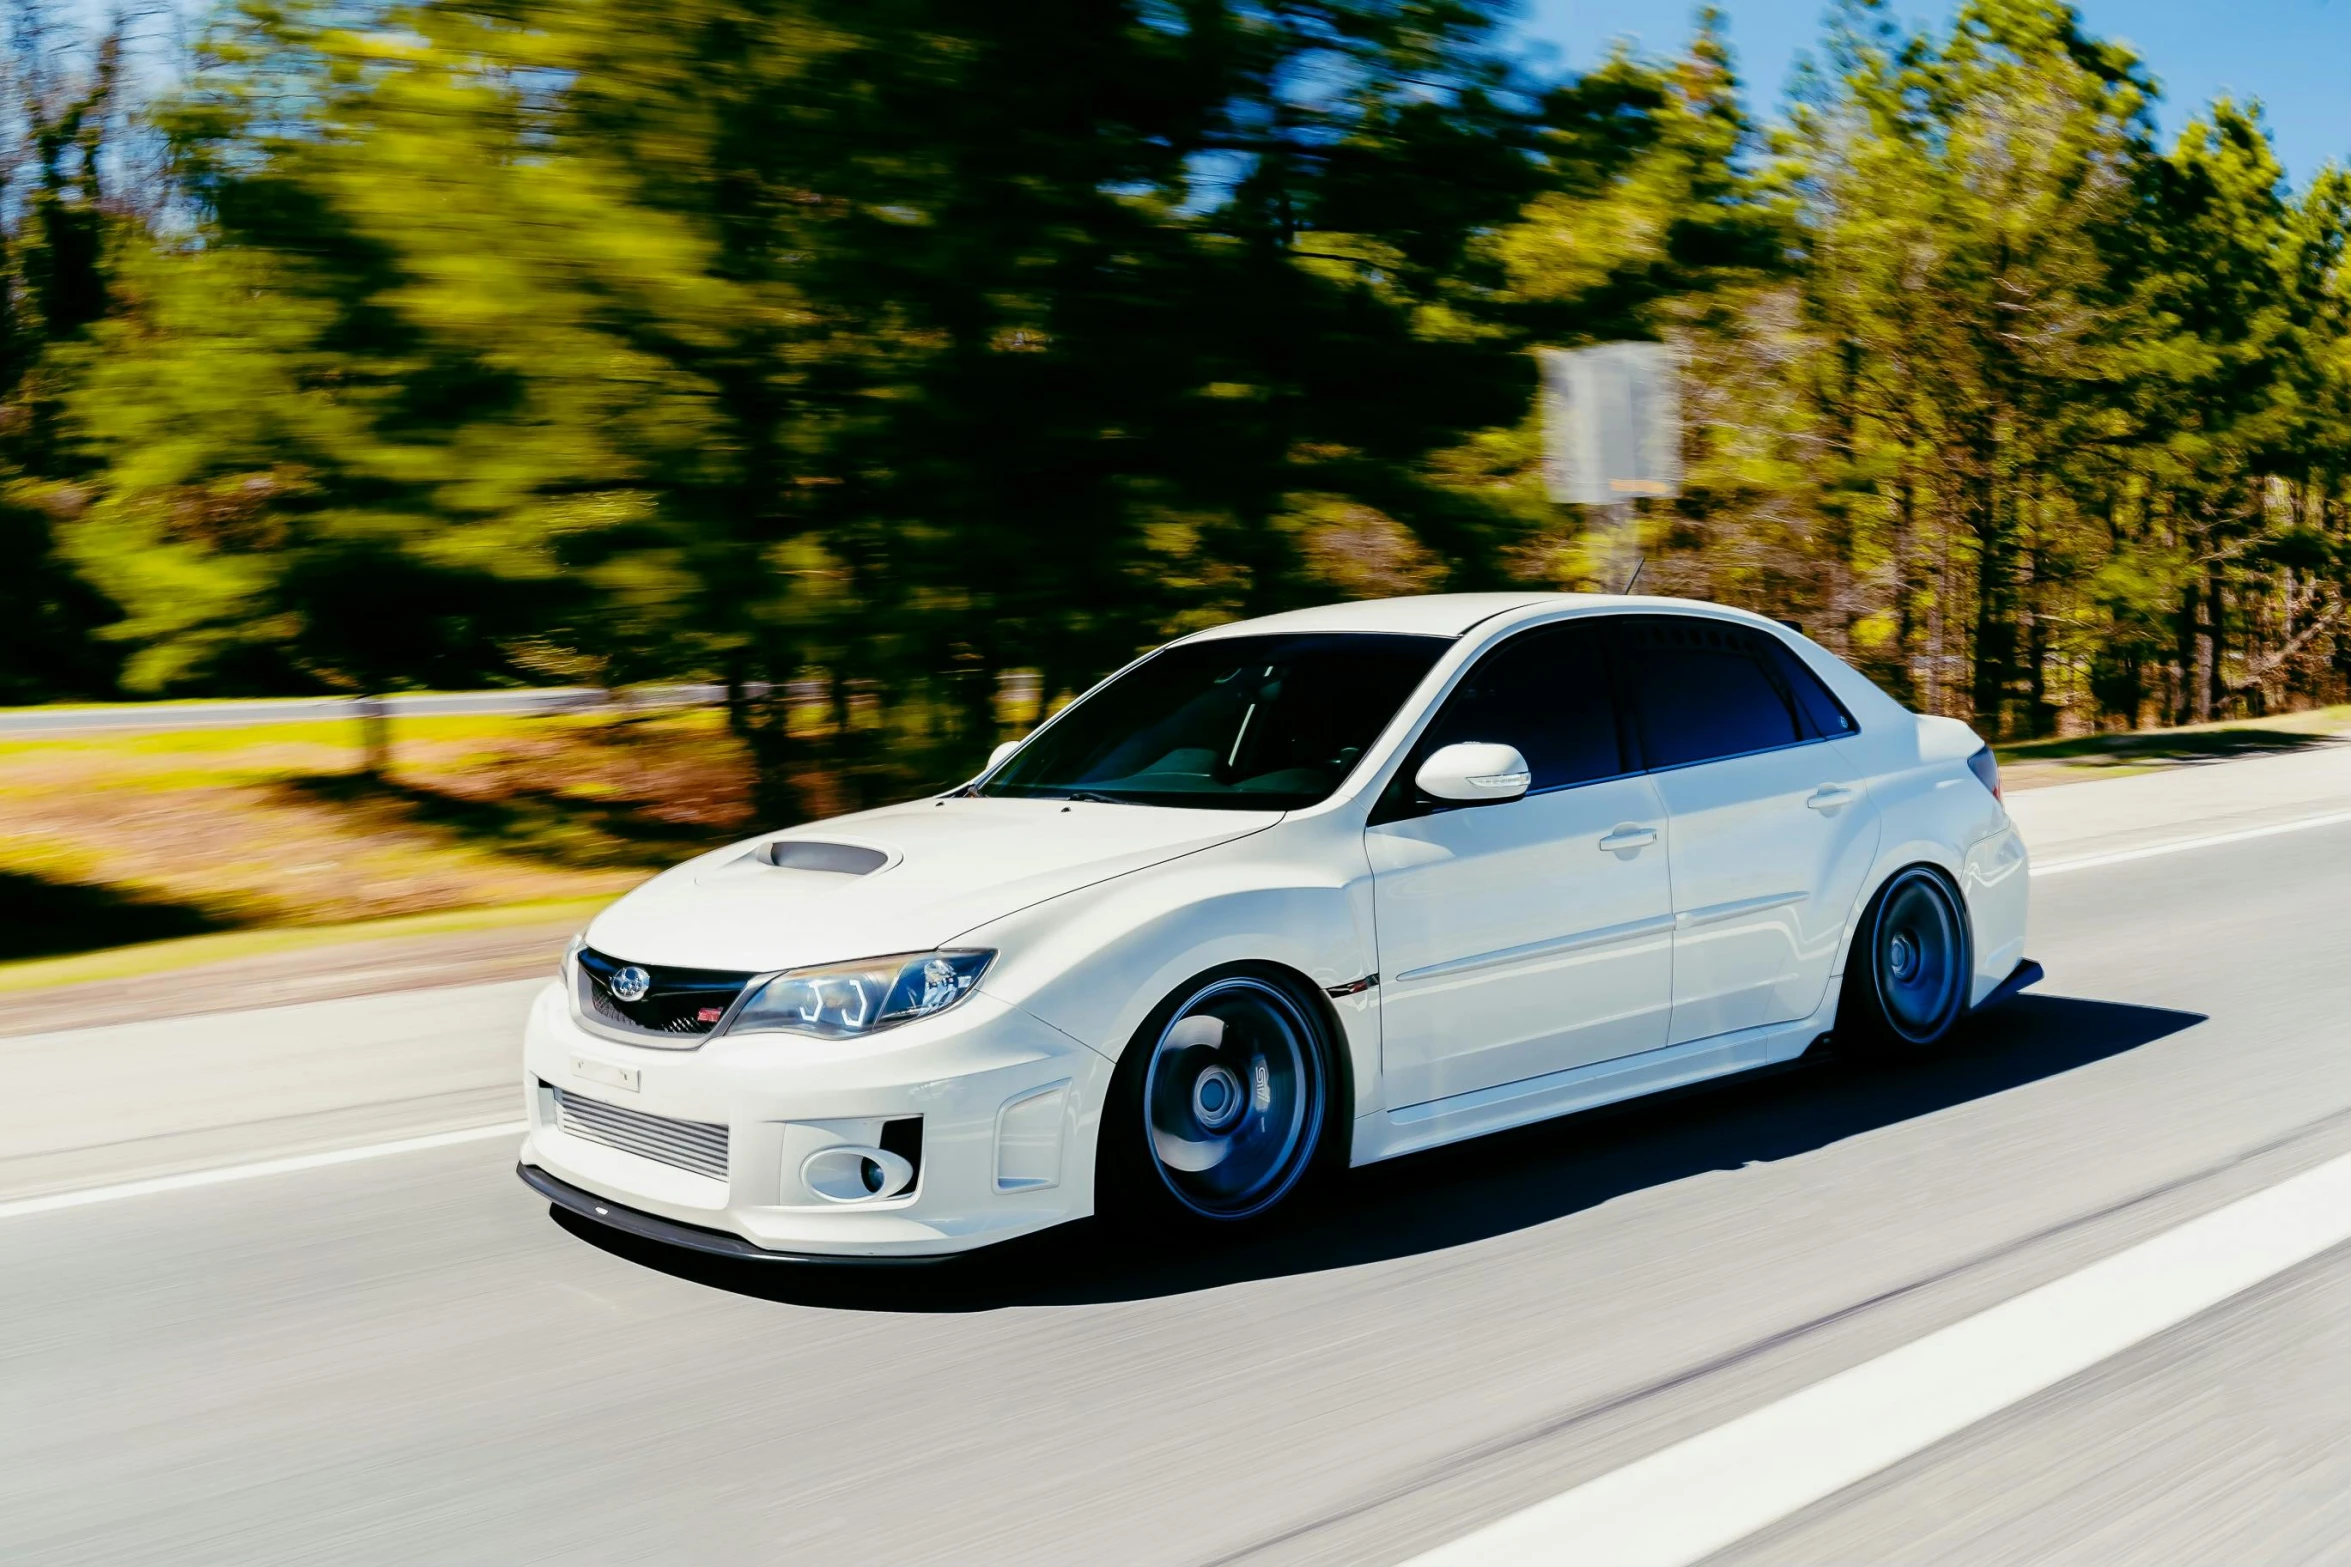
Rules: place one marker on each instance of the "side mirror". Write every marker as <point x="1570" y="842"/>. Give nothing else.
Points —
<point x="996" y="757"/>
<point x="1474" y="773"/>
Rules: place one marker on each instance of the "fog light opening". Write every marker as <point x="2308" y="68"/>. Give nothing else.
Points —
<point x="848" y="1173"/>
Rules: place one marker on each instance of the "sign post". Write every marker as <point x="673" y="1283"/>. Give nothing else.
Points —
<point x="1612" y="433"/>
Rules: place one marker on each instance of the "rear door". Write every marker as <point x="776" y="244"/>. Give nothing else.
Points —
<point x="1527" y="937"/>
<point x="1772" y="831"/>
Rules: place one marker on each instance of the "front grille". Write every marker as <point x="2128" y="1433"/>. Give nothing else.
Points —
<point x="685" y="1002"/>
<point x="685" y="1145"/>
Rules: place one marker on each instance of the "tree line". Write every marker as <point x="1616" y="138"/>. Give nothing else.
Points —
<point x="904" y="365"/>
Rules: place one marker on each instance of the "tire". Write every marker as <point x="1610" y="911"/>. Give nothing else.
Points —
<point x="1222" y="1108"/>
<point x="1909" y="974"/>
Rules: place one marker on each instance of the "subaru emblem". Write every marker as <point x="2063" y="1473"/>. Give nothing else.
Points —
<point x="631" y="983"/>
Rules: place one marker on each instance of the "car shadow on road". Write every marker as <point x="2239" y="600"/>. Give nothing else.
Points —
<point x="1472" y="1191"/>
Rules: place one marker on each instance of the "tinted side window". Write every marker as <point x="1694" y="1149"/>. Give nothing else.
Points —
<point x="1545" y="692"/>
<point x="1822" y="713"/>
<point x="1702" y="689"/>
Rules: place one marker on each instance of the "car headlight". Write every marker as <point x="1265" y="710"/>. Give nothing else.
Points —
<point x="844" y="1000"/>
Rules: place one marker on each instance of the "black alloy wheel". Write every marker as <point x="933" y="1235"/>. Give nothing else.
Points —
<point x="1221" y="1106"/>
<point x="1906" y="983"/>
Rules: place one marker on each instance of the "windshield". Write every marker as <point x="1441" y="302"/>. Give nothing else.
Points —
<point x="1268" y="723"/>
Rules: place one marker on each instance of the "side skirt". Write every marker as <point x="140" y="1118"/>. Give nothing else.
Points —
<point x="2026" y="973"/>
<point x="1389" y="1134"/>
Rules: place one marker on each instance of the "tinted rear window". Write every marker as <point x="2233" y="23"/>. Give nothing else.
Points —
<point x="1822" y="713"/>
<point x="1702" y="689"/>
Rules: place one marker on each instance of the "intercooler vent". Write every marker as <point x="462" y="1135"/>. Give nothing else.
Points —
<point x="684" y="1145"/>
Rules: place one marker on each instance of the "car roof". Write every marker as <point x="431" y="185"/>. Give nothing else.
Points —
<point x="1450" y="614"/>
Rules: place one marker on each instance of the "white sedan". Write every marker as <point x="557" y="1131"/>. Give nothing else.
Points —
<point x="1282" y="897"/>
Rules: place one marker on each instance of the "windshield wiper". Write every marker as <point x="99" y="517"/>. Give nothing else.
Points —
<point x="1090" y="797"/>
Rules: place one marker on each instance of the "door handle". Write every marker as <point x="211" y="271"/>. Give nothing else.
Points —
<point x="1829" y="796"/>
<point x="1628" y="838"/>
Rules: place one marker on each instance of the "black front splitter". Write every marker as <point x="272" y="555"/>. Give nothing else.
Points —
<point x="692" y="1237"/>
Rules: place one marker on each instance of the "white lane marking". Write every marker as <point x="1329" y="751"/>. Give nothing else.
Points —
<point x="2120" y="856"/>
<point x="1690" y="1500"/>
<point x="53" y="1201"/>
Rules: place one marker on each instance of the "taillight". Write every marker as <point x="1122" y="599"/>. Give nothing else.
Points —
<point x="1986" y="770"/>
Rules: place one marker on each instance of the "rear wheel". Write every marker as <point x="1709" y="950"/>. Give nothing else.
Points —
<point x="1906" y="983"/>
<point x="1220" y="1106"/>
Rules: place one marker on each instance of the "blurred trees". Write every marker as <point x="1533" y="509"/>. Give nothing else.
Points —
<point x="64" y="137"/>
<point x="905" y="365"/>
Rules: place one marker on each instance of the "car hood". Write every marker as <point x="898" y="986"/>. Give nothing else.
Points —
<point x="944" y="866"/>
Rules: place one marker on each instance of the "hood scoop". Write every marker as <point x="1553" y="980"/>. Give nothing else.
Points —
<point x="839" y="859"/>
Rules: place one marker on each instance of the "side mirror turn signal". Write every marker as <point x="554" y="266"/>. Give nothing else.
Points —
<point x="1474" y="773"/>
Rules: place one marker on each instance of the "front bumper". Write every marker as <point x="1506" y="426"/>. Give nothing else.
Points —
<point x="1008" y="1109"/>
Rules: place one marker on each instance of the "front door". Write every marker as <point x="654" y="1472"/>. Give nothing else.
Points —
<point x="1527" y="937"/>
<point x="1772" y="829"/>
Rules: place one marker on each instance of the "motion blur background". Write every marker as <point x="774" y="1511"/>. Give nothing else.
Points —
<point x="668" y="417"/>
<point x="900" y="367"/>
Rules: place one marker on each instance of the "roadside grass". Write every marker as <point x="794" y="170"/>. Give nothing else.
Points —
<point x="2037" y="763"/>
<point x="159" y="957"/>
<point x="125" y="853"/>
<point x="40" y="916"/>
<point x="116" y="838"/>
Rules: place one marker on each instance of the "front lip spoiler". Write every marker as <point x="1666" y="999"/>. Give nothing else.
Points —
<point x="691" y="1237"/>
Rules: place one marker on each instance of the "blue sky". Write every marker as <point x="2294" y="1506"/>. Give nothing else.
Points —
<point x="2294" y="55"/>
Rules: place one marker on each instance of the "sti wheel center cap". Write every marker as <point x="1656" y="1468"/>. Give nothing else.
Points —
<point x="1217" y="1098"/>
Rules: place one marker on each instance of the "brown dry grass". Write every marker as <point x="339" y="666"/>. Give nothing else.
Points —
<point x="2035" y="764"/>
<point x="106" y="838"/>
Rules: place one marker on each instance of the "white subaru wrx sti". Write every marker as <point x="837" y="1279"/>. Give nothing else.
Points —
<point x="1280" y="897"/>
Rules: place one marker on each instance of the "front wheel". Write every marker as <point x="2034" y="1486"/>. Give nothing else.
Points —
<point x="1218" y="1110"/>
<point x="1906" y="982"/>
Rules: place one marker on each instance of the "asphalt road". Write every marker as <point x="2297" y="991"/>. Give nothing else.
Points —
<point x="407" y="1360"/>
